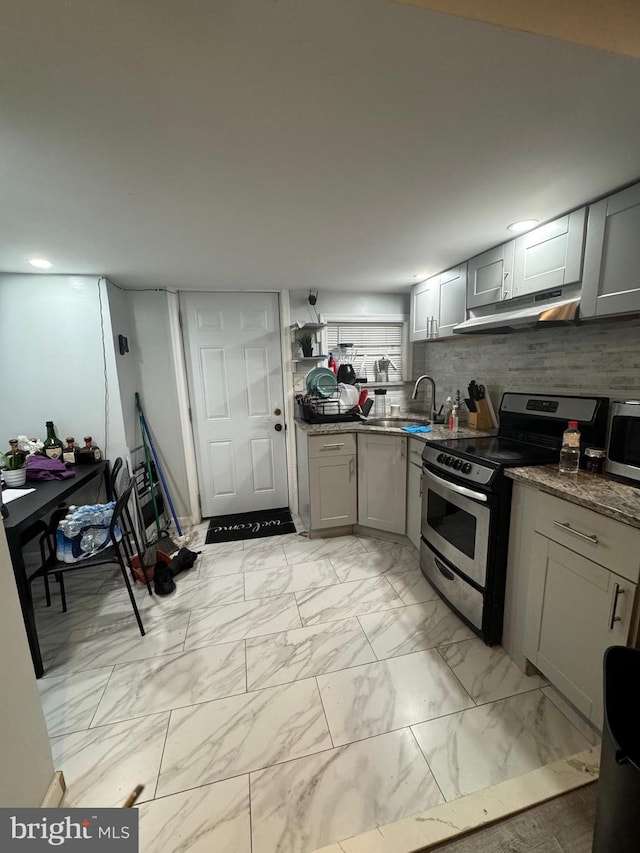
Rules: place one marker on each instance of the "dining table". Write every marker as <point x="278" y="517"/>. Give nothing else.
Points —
<point x="23" y="513"/>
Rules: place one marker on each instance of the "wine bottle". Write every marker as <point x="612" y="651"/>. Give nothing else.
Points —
<point x="90" y="453"/>
<point x="69" y="454"/>
<point x="97" y="453"/>
<point x="52" y="445"/>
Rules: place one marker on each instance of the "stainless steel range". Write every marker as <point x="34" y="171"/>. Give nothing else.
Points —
<point x="467" y="499"/>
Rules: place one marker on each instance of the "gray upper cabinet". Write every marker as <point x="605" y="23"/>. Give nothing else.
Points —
<point x="490" y="275"/>
<point x="452" y="299"/>
<point x="550" y="256"/>
<point x="611" y="281"/>
<point x="424" y="309"/>
<point x="438" y="304"/>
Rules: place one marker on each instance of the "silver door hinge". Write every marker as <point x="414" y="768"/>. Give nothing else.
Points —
<point x="190" y="416"/>
<point x="180" y="318"/>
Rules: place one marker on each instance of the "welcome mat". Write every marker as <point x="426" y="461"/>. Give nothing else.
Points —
<point x="250" y="525"/>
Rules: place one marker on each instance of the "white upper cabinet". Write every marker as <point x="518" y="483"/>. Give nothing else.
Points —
<point x="549" y="256"/>
<point x="425" y="309"/>
<point x="438" y="304"/>
<point x="490" y="276"/>
<point x="452" y="286"/>
<point x="611" y="281"/>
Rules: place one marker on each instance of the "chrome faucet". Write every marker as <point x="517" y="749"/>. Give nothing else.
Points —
<point x="433" y="393"/>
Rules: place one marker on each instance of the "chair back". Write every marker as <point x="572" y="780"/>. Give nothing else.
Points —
<point x="113" y="477"/>
<point x="122" y="519"/>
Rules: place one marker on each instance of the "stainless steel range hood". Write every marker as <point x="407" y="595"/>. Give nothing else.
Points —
<point x="535" y="314"/>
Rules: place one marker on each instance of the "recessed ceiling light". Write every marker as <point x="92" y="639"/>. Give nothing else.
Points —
<point x="40" y="263"/>
<point x="522" y="225"/>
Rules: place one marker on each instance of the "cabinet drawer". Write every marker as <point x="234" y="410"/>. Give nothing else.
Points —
<point x="603" y="540"/>
<point x="343" y="444"/>
<point x="415" y="451"/>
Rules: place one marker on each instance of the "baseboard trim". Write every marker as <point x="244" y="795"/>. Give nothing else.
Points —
<point x="432" y="828"/>
<point x="374" y="533"/>
<point x="54" y="797"/>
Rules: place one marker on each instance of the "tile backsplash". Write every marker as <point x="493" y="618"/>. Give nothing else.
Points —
<point x="601" y="359"/>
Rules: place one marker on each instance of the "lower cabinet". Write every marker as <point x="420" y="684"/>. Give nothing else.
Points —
<point x="576" y="608"/>
<point x="327" y="480"/>
<point x="382" y="482"/>
<point x="333" y="491"/>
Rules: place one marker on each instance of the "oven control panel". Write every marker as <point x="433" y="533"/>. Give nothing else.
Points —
<point x="474" y="472"/>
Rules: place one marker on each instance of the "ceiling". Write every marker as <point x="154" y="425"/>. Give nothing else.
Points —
<point x="268" y="144"/>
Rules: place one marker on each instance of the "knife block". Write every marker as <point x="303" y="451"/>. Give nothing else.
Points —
<point x="481" y="419"/>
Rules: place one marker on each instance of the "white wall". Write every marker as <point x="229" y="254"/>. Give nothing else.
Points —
<point x="347" y="304"/>
<point x="149" y="368"/>
<point x="26" y="768"/>
<point x="128" y="365"/>
<point x="51" y="349"/>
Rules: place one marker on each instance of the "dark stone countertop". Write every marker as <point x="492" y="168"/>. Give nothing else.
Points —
<point x="598" y="492"/>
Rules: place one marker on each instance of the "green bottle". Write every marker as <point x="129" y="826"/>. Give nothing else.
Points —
<point x="52" y="445"/>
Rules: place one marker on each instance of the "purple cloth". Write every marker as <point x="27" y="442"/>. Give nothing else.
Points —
<point x="44" y="468"/>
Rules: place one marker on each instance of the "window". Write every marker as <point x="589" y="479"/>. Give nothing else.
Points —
<point x="372" y="341"/>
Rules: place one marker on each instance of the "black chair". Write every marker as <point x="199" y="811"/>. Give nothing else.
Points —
<point x="118" y="553"/>
<point x="138" y="550"/>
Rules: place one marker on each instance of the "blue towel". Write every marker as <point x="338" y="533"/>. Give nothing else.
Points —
<point x="417" y="428"/>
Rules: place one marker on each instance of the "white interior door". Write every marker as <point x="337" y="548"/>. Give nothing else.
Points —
<point x="232" y="341"/>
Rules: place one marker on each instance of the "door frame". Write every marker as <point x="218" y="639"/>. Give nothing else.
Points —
<point x="184" y="400"/>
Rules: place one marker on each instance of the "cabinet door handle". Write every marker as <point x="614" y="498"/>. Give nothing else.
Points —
<point x="352" y="468"/>
<point x="403" y="448"/>
<point x="421" y="481"/>
<point x="331" y="446"/>
<point x="617" y="592"/>
<point x="566" y="526"/>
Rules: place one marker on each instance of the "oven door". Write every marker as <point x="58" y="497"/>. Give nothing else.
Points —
<point x="456" y="522"/>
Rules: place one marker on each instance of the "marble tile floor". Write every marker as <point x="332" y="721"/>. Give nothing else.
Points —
<point x="290" y="694"/>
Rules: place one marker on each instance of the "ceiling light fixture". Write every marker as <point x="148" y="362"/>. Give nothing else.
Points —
<point x="522" y="226"/>
<point x="40" y="263"/>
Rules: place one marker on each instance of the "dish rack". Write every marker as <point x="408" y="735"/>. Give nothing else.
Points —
<point x="324" y="410"/>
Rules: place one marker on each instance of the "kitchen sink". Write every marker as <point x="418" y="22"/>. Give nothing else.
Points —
<point x="396" y="423"/>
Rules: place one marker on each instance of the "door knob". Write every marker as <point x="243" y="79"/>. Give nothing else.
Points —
<point x="277" y="412"/>
<point x="278" y="427"/>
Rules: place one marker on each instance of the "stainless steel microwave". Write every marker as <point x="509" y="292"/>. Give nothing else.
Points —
<point x="623" y="440"/>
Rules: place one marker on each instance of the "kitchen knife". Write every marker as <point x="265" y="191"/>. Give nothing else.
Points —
<point x="473" y="391"/>
<point x="471" y="405"/>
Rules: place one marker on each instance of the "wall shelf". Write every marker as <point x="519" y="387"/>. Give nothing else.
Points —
<point x="311" y="358"/>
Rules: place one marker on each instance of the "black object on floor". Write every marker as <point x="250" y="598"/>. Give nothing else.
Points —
<point x="250" y="525"/>
<point x="163" y="581"/>
<point x="182" y="561"/>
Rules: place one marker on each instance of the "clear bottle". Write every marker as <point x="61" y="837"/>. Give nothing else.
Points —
<point x="570" y="451"/>
<point x="52" y="446"/>
<point x="69" y="453"/>
<point x="380" y="402"/>
<point x="453" y="418"/>
<point x="448" y="410"/>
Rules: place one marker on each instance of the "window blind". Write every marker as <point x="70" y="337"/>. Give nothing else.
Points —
<point x="371" y="342"/>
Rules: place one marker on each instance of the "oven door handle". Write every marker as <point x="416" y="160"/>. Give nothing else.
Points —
<point x="461" y="490"/>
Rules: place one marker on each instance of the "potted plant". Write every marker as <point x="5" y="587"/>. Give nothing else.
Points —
<point x="305" y="342"/>
<point x="15" y="473"/>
